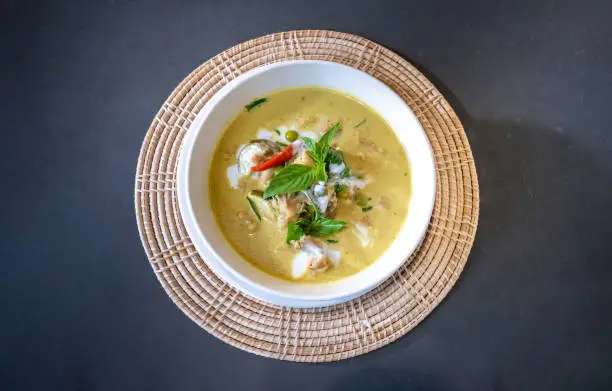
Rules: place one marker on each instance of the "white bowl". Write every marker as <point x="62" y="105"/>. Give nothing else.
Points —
<point x="201" y="141"/>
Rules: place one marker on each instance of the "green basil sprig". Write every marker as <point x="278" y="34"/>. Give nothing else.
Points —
<point x="319" y="150"/>
<point x="319" y="226"/>
<point x="290" y="179"/>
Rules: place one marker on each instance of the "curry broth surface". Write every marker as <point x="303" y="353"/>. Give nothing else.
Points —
<point x="370" y="149"/>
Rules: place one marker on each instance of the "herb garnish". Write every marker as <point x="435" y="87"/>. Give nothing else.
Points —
<point x="366" y="209"/>
<point x="290" y="179"/>
<point x="332" y="241"/>
<point x="310" y="143"/>
<point x="253" y="209"/>
<point x="311" y="223"/>
<point x="294" y="232"/>
<point x="319" y="150"/>
<point x="363" y="121"/>
<point x="324" y="227"/>
<point x="255" y="103"/>
<point x="277" y="131"/>
<point x="335" y="157"/>
<point x="319" y="226"/>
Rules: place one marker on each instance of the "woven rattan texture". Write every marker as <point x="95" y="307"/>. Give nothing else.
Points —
<point x="314" y="335"/>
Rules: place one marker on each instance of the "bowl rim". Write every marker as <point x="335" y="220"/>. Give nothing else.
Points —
<point x="216" y="262"/>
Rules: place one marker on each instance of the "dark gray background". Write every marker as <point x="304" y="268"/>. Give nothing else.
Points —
<point x="81" y="308"/>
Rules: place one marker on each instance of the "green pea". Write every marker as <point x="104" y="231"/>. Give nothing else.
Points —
<point x="291" y="136"/>
<point x="362" y="200"/>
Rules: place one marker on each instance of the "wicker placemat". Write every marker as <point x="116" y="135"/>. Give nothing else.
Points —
<point x="330" y="333"/>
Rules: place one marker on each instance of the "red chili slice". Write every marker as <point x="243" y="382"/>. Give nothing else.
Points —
<point x="276" y="160"/>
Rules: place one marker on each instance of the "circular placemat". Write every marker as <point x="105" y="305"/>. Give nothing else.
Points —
<point x="330" y="333"/>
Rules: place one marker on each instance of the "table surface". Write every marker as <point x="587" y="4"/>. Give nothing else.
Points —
<point x="81" y="308"/>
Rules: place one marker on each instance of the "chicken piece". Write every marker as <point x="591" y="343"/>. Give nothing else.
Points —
<point x="318" y="261"/>
<point x="323" y="196"/>
<point x="297" y="244"/>
<point x="289" y="207"/>
<point x="260" y="179"/>
<point x="266" y="177"/>
<point x="332" y="203"/>
<point x="318" y="265"/>
<point x="315" y="255"/>
<point x="303" y="158"/>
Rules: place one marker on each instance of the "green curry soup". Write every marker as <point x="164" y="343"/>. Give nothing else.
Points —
<point x="309" y="185"/>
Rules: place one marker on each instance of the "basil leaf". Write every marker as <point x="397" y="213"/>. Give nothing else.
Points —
<point x="326" y="140"/>
<point x="320" y="173"/>
<point x="310" y="143"/>
<point x="291" y="179"/>
<point x="311" y="211"/>
<point x="304" y="223"/>
<point x="335" y="157"/>
<point x="325" y="227"/>
<point x="318" y="151"/>
<point x="255" y="103"/>
<point x="294" y="232"/>
<point x="253" y="209"/>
